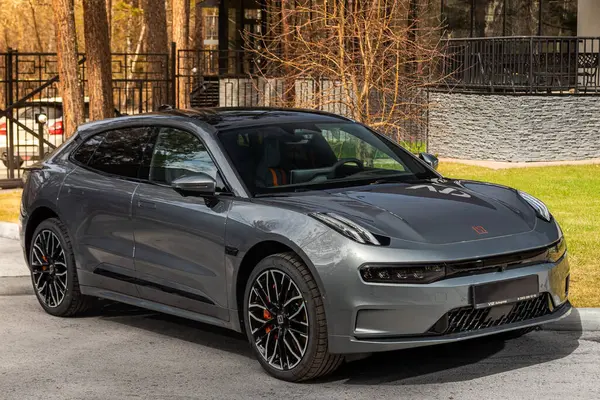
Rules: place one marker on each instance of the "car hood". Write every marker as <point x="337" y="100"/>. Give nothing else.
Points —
<point x="437" y="211"/>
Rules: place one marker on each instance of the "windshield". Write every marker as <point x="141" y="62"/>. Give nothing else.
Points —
<point x="32" y="111"/>
<point x="313" y="155"/>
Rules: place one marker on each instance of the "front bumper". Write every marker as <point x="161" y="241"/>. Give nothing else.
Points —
<point x="369" y="317"/>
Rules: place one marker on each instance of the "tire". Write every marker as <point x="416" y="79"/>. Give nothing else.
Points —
<point x="316" y="360"/>
<point x="55" y="271"/>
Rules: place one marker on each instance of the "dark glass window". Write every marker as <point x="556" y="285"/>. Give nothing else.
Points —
<point x="178" y="153"/>
<point x="489" y="18"/>
<point x="457" y="17"/>
<point x="522" y="18"/>
<point x="559" y="17"/>
<point x="32" y="111"/>
<point x="87" y="149"/>
<point x="120" y="153"/>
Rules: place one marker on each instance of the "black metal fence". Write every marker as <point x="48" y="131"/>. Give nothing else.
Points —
<point x="534" y="65"/>
<point x="29" y="87"/>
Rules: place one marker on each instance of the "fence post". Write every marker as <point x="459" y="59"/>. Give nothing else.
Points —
<point x="531" y="77"/>
<point x="173" y="78"/>
<point x="9" y="101"/>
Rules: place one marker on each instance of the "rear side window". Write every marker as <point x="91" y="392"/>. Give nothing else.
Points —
<point x="117" y="152"/>
<point x="87" y="149"/>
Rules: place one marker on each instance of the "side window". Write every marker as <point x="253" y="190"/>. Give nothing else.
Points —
<point x="87" y="149"/>
<point x="120" y="153"/>
<point x="178" y="153"/>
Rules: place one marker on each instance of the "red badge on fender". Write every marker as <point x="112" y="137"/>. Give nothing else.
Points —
<point x="479" y="229"/>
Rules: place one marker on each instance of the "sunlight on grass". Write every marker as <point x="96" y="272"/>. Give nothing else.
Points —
<point x="573" y="195"/>
<point x="9" y="205"/>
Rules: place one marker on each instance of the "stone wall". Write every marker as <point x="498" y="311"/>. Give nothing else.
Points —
<point x="514" y="128"/>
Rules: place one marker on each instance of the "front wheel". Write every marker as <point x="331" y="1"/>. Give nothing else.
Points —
<point x="284" y="317"/>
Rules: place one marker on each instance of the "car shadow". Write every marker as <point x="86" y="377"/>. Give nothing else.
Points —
<point x="456" y="362"/>
<point x="176" y="327"/>
<point x="461" y="361"/>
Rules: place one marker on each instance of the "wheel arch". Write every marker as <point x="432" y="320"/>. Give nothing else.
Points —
<point x="253" y="256"/>
<point x="39" y="215"/>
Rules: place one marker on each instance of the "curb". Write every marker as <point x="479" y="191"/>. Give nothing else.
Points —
<point x="9" y="230"/>
<point x="580" y="320"/>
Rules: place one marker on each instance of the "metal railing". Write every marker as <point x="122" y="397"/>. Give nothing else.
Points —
<point x="533" y="65"/>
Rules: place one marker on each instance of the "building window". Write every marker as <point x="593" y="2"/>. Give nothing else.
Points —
<point x="489" y="18"/>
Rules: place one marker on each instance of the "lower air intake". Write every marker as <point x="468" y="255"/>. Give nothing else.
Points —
<point x="468" y="319"/>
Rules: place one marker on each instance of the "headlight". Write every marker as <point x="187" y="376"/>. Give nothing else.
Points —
<point x="539" y="207"/>
<point x="347" y="228"/>
<point x="557" y="251"/>
<point x="403" y="273"/>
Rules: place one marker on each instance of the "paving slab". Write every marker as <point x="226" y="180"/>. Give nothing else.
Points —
<point x="12" y="262"/>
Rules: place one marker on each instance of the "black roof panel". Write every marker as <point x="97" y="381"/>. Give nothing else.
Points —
<point x="229" y="117"/>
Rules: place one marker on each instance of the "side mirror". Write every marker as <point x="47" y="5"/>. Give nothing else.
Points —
<point x="199" y="184"/>
<point x="429" y="159"/>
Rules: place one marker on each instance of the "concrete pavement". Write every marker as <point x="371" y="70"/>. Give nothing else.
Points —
<point x="12" y="262"/>
<point x="125" y="352"/>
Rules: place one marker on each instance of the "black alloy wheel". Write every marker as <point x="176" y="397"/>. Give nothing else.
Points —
<point x="49" y="268"/>
<point x="284" y="319"/>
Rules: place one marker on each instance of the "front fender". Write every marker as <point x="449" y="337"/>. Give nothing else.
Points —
<point x="249" y="224"/>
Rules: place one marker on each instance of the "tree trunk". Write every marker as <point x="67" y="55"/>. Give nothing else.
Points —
<point x="98" y="59"/>
<point x="68" y="70"/>
<point x="109" y="4"/>
<point x="181" y="23"/>
<point x="181" y="35"/>
<point x="199" y="27"/>
<point x="157" y="42"/>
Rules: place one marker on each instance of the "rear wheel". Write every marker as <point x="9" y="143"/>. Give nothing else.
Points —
<point x="285" y="320"/>
<point x="53" y="271"/>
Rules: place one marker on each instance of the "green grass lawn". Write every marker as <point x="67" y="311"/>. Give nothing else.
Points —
<point x="571" y="192"/>
<point x="573" y="195"/>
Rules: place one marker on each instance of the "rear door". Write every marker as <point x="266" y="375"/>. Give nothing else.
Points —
<point x="179" y="241"/>
<point x="97" y="198"/>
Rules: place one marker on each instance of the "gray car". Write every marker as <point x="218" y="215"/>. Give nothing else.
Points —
<point x="319" y="238"/>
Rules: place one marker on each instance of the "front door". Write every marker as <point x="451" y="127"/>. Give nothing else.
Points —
<point x="179" y="241"/>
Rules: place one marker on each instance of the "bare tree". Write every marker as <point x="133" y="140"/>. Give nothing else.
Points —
<point x="98" y="55"/>
<point x="181" y="37"/>
<point x="367" y="59"/>
<point x="36" y="28"/>
<point x="157" y="43"/>
<point x="70" y="84"/>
